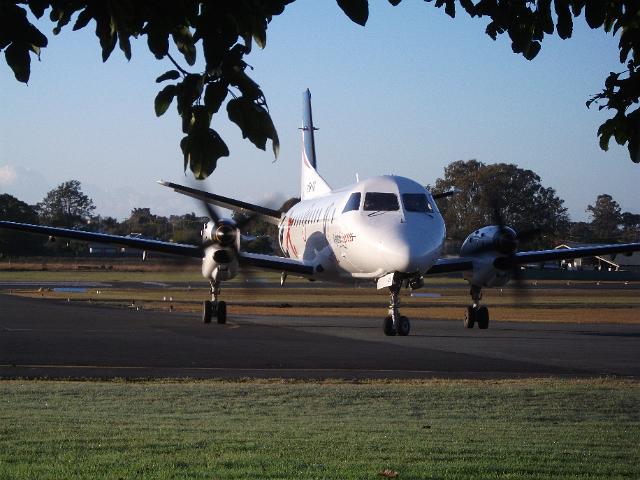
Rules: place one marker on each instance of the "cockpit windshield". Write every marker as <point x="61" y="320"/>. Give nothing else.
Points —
<point x="353" y="203"/>
<point x="380" y="202"/>
<point x="416" y="202"/>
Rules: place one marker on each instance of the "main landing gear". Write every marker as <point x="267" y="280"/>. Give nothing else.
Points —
<point x="394" y="323"/>
<point x="476" y="313"/>
<point x="214" y="307"/>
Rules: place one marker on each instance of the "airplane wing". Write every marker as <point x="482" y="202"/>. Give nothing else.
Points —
<point x="449" y="265"/>
<point x="179" y="249"/>
<point x="538" y="256"/>
<point x="272" y="216"/>
<point x="269" y="262"/>
<point x="460" y="264"/>
<point x="281" y="264"/>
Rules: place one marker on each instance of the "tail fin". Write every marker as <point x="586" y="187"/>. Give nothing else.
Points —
<point x="311" y="183"/>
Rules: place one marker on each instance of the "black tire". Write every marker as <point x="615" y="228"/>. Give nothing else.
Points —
<point x="388" y="328"/>
<point x="207" y="310"/>
<point x="470" y="317"/>
<point x="482" y="316"/>
<point x="404" y="326"/>
<point x="221" y="312"/>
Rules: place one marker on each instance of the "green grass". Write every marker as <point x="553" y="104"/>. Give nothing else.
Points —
<point x="92" y="271"/>
<point x="258" y="429"/>
<point x="101" y="276"/>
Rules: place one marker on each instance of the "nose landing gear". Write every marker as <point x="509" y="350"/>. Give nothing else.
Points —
<point x="214" y="307"/>
<point x="476" y="313"/>
<point x="395" y="323"/>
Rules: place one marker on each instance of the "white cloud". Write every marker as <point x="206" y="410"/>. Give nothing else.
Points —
<point x="7" y="175"/>
<point x="23" y="183"/>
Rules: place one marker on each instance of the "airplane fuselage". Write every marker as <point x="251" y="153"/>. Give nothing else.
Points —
<point x="364" y="231"/>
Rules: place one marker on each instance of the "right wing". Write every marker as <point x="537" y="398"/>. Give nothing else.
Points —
<point x="268" y="262"/>
<point x="179" y="249"/>
<point x="281" y="264"/>
<point x="272" y="216"/>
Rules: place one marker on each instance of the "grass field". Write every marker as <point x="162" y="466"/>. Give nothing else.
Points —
<point x="542" y="429"/>
<point x="546" y="302"/>
<point x="437" y="429"/>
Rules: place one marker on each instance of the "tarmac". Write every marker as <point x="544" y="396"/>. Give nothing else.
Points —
<point x="52" y="339"/>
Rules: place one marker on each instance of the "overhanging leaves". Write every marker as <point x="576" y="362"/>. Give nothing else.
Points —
<point x="215" y="94"/>
<point x="201" y="151"/>
<point x="356" y="10"/>
<point x="226" y="30"/>
<point x="170" y="75"/>
<point x="17" y="56"/>
<point x="254" y="122"/>
<point x="164" y="99"/>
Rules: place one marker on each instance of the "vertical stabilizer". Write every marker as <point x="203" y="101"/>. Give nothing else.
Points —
<point x="311" y="183"/>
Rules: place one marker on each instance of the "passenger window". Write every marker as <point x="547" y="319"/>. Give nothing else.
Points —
<point x="416" y="202"/>
<point x="380" y="202"/>
<point x="353" y="203"/>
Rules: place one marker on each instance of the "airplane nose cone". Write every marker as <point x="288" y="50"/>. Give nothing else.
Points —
<point x="405" y="254"/>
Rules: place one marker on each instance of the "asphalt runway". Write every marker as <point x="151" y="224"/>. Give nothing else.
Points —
<point x="53" y="339"/>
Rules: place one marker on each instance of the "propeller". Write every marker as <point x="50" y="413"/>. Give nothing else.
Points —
<point x="506" y="243"/>
<point x="224" y="231"/>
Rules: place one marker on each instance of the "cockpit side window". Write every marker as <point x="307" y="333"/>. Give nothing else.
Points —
<point x="416" y="202"/>
<point x="380" y="202"/>
<point x="353" y="203"/>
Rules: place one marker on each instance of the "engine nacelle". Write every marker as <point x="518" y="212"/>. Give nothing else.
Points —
<point x="485" y="274"/>
<point x="500" y="240"/>
<point x="224" y="233"/>
<point x="219" y="263"/>
<point x="484" y="246"/>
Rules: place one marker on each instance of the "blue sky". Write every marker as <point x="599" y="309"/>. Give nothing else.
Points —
<point x="408" y="94"/>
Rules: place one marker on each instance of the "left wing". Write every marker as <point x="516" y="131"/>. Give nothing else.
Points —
<point x="460" y="264"/>
<point x="449" y="265"/>
<point x="521" y="258"/>
<point x="179" y="249"/>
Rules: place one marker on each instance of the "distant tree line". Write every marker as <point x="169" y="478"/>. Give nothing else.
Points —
<point x="68" y="207"/>
<point x="486" y="194"/>
<point x="518" y="197"/>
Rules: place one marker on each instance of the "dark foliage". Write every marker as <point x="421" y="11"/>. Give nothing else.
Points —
<point x="13" y="242"/>
<point x="523" y="202"/>
<point x="223" y="32"/>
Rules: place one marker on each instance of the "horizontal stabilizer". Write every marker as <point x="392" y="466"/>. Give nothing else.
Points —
<point x="272" y="216"/>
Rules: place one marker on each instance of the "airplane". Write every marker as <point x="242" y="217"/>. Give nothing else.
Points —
<point x="385" y="230"/>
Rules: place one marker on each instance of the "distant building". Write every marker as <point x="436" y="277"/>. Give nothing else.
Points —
<point x="103" y="250"/>
<point x="109" y="250"/>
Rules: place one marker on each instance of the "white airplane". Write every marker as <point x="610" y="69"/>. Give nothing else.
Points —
<point x="386" y="230"/>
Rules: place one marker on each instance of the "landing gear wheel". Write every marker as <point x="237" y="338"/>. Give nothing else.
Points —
<point x="387" y="326"/>
<point x="221" y="312"/>
<point x="470" y="317"/>
<point x="404" y="326"/>
<point x="207" y="310"/>
<point x="482" y="317"/>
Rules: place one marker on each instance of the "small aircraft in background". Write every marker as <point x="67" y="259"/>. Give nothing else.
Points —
<point x="386" y="230"/>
